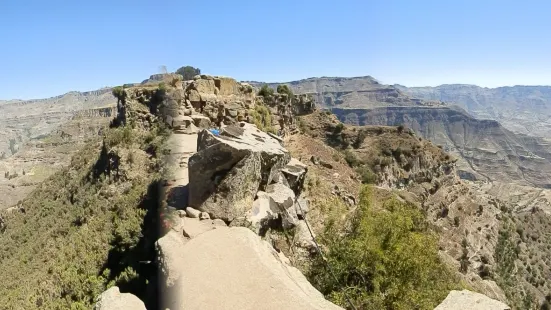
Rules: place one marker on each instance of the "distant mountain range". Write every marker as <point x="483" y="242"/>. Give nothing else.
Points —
<point x="522" y="109"/>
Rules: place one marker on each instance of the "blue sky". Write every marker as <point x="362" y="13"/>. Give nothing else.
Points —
<point x="50" y="47"/>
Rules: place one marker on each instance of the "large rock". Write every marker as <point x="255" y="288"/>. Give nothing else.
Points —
<point x="204" y="86"/>
<point x="233" y="193"/>
<point x="263" y="212"/>
<point x="201" y="121"/>
<point x="113" y="299"/>
<point x="467" y="300"/>
<point x="295" y="172"/>
<point x="228" y="169"/>
<point x="232" y="268"/>
<point x="284" y="200"/>
<point x="226" y="85"/>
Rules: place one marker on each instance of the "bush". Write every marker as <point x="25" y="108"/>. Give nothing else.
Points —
<point x="359" y="139"/>
<point x="119" y="93"/>
<point x="338" y="128"/>
<point x="367" y="176"/>
<point x="386" y="260"/>
<point x="188" y="72"/>
<point x="266" y="92"/>
<point x="262" y="118"/>
<point x="351" y="159"/>
<point x="284" y="89"/>
<point x="400" y="128"/>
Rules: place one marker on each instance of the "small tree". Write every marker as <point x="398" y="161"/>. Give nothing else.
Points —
<point x="188" y="72"/>
<point x="401" y="128"/>
<point x="284" y="89"/>
<point x="265" y="91"/>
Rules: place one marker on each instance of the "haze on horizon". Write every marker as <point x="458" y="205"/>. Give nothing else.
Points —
<point x="50" y="48"/>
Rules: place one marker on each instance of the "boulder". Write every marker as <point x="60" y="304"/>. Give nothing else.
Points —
<point x="225" y="194"/>
<point x="280" y="178"/>
<point x="204" y="216"/>
<point x="193" y="96"/>
<point x="193" y="227"/>
<point x="302" y="207"/>
<point x="228" y="169"/>
<point x="295" y="173"/>
<point x="193" y="213"/>
<point x="181" y="122"/>
<point x="189" y="130"/>
<point x="187" y="112"/>
<point x="201" y="121"/>
<point x="226" y="85"/>
<point x="303" y="238"/>
<point x="113" y="299"/>
<point x="283" y="198"/>
<point x="467" y="300"/>
<point x="263" y="212"/>
<point x="205" y="86"/>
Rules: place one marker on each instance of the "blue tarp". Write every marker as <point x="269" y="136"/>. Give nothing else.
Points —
<point x="215" y="132"/>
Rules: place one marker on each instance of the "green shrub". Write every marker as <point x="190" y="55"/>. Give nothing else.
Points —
<point x="262" y="118"/>
<point x="338" y="128"/>
<point x="284" y="89"/>
<point x="118" y="92"/>
<point x="188" y="72"/>
<point x="367" y="175"/>
<point x="351" y="159"/>
<point x="266" y="91"/>
<point x="386" y="260"/>
<point x="400" y="128"/>
<point x="359" y="139"/>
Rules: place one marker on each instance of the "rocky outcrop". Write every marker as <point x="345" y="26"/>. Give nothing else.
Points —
<point x="467" y="300"/>
<point x="230" y="168"/>
<point x="113" y="299"/>
<point x="225" y="101"/>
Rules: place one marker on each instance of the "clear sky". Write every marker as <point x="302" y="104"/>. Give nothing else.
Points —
<point x="50" y="47"/>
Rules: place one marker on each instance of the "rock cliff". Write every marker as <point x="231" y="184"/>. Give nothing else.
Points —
<point x="521" y="109"/>
<point x="486" y="150"/>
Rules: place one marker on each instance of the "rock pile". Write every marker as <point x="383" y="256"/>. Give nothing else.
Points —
<point x="245" y="177"/>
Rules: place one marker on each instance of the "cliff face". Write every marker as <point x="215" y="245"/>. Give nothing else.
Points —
<point x="487" y="151"/>
<point x="351" y="92"/>
<point x="522" y="109"/>
<point x="22" y="120"/>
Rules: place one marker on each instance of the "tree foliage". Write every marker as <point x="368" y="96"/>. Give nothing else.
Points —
<point x="266" y="91"/>
<point x="284" y="89"/>
<point x="188" y="72"/>
<point x="81" y="230"/>
<point x="387" y="259"/>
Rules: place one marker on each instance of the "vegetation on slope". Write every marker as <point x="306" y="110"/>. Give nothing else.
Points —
<point x="523" y="260"/>
<point x="86" y="228"/>
<point x="384" y="259"/>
